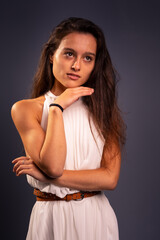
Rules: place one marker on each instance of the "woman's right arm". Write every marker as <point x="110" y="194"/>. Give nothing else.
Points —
<point x="47" y="150"/>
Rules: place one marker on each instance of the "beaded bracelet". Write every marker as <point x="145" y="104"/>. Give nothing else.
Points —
<point x="57" y="105"/>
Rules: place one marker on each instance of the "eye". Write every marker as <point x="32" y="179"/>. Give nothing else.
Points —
<point x="88" y="59"/>
<point x="68" y="54"/>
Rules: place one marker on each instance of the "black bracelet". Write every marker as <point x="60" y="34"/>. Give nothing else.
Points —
<point x="57" y="105"/>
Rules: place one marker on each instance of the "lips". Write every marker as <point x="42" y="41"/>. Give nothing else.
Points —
<point x="73" y="76"/>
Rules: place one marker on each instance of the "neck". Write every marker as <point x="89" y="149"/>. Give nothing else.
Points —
<point x="57" y="88"/>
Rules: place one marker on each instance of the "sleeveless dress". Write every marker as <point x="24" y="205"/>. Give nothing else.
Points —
<point x="89" y="219"/>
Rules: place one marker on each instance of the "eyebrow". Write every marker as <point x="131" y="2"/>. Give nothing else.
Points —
<point x="71" y="49"/>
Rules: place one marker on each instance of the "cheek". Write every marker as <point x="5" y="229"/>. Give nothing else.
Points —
<point x="58" y="66"/>
<point x="89" y="70"/>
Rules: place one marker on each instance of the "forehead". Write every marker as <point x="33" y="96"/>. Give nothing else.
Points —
<point x="82" y="42"/>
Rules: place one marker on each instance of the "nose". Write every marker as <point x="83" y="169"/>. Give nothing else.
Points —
<point x="76" y="65"/>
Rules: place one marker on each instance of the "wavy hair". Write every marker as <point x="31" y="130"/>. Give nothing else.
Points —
<point x="102" y="105"/>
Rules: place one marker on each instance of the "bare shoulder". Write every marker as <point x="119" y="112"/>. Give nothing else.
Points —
<point x="27" y="109"/>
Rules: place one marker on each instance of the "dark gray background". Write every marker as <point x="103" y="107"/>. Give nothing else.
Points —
<point x="133" y="37"/>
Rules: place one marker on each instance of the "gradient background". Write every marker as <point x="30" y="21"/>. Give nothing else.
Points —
<point x="132" y="30"/>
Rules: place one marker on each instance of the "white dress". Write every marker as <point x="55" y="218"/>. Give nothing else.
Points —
<point x="89" y="219"/>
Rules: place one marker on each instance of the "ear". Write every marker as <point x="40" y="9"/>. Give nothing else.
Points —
<point x="51" y="59"/>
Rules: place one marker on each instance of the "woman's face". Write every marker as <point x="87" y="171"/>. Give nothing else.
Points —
<point x="73" y="61"/>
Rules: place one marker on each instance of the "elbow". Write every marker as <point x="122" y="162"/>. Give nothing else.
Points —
<point x="113" y="183"/>
<point x="51" y="168"/>
<point x="54" y="173"/>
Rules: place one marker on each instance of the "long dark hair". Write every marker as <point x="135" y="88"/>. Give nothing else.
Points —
<point x="102" y="105"/>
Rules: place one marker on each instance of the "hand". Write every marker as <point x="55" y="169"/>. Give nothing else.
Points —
<point x="25" y="165"/>
<point x="70" y="95"/>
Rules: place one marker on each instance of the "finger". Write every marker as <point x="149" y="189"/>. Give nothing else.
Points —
<point x="79" y="92"/>
<point x="85" y="92"/>
<point x="78" y="89"/>
<point x="23" y="167"/>
<point x="81" y="88"/>
<point x="24" y="171"/>
<point x="16" y="166"/>
<point x="21" y="162"/>
<point x="20" y="158"/>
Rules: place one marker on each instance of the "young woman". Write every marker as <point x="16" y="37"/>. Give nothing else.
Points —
<point x="73" y="134"/>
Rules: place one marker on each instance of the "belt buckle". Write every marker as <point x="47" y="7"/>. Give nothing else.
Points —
<point x="82" y="196"/>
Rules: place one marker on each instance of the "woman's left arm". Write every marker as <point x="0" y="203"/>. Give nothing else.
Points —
<point x="104" y="178"/>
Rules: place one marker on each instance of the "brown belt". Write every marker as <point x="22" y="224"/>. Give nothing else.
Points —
<point x="43" y="196"/>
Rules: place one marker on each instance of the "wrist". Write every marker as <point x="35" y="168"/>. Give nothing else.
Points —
<point x="55" y="110"/>
<point x="56" y="105"/>
<point x="61" y="103"/>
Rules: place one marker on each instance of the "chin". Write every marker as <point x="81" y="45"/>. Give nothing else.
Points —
<point x="72" y="85"/>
